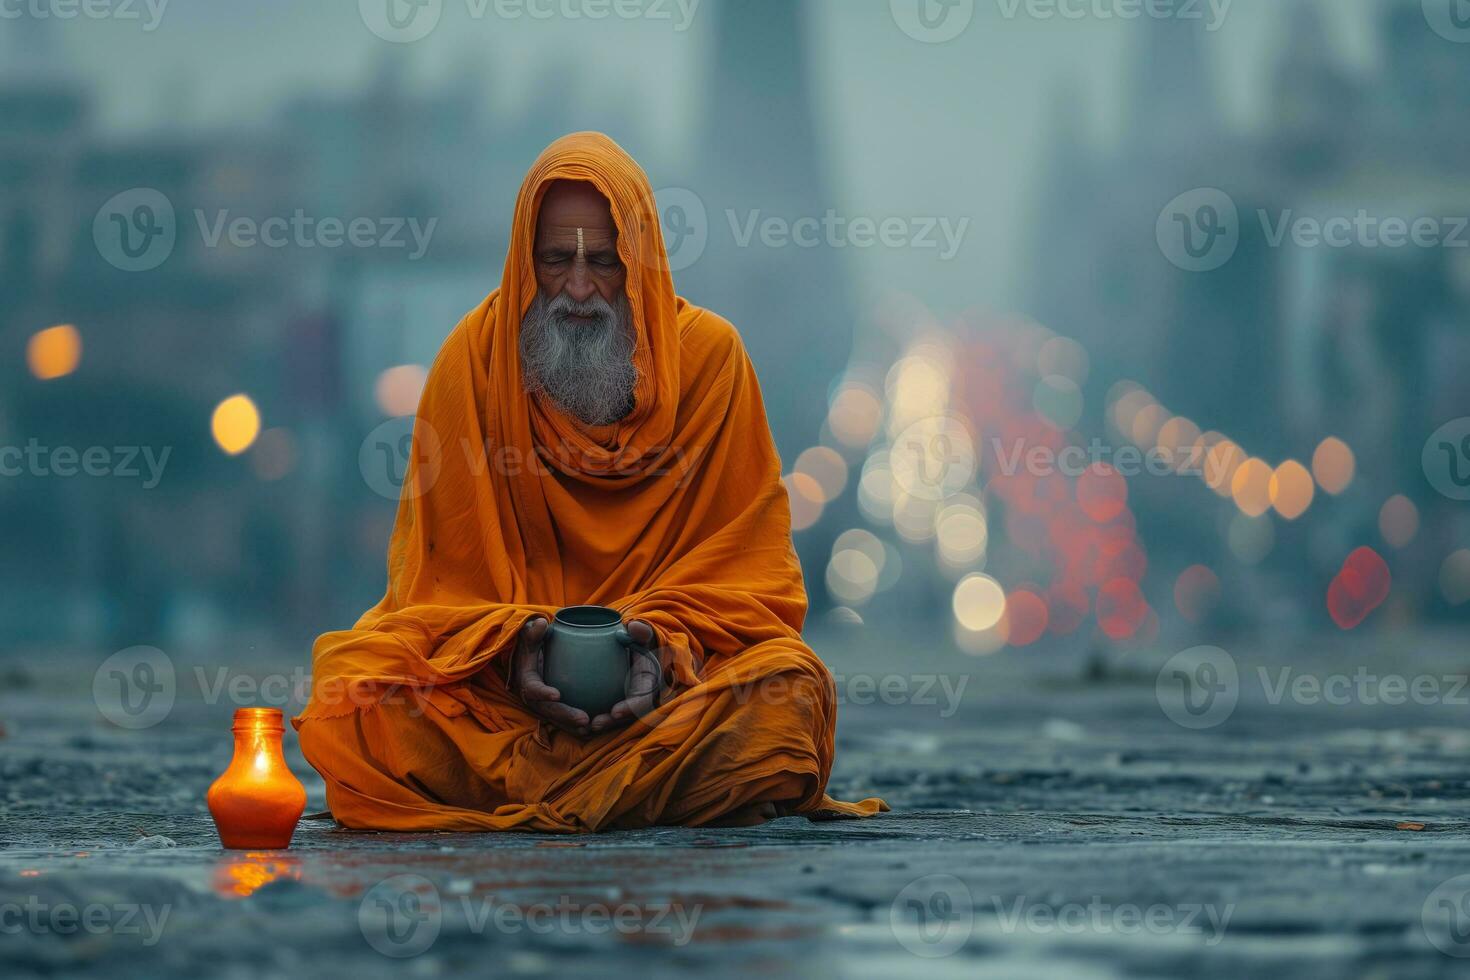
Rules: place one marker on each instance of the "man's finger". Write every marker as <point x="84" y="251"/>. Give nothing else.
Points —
<point x="605" y="722"/>
<point x="532" y="631"/>
<point x="533" y="688"/>
<point x="641" y="632"/>
<point x="562" y="715"/>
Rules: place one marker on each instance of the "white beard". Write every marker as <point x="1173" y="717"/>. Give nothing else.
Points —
<point x="585" y="368"/>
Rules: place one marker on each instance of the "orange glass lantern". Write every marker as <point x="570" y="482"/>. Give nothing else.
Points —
<point x="257" y="801"/>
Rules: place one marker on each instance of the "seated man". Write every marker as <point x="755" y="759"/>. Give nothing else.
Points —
<point x="585" y="436"/>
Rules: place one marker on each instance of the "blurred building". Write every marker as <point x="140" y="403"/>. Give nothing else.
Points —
<point x="1282" y="345"/>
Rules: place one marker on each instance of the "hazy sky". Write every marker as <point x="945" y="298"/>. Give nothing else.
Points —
<point x="913" y="129"/>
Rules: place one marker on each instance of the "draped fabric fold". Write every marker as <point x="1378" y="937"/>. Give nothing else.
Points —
<point x="510" y="509"/>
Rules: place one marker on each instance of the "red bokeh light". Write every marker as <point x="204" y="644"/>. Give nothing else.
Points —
<point x="1102" y="493"/>
<point x="1359" y="587"/>
<point x="1027" y="615"/>
<point x="1196" y="591"/>
<point x="1121" y="608"/>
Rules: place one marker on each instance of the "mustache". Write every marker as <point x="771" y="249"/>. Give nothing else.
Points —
<point x="564" y="306"/>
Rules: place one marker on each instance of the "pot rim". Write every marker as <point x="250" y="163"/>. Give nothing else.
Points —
<point x="589" y="616"/>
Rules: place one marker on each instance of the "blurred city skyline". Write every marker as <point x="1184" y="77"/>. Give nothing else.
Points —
<point x="939" y="150"/>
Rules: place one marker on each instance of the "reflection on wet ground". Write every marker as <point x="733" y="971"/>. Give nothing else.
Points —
<point x="1043" y="829"/>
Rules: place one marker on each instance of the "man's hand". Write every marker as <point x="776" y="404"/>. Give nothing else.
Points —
<point x="643" y="685"/>
<point x="541" y="699"/>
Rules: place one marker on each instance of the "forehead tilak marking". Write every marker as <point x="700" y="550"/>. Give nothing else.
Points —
<point x="581" y="245"/>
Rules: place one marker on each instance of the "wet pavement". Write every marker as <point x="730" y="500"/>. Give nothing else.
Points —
<point x="1044" y="826"/>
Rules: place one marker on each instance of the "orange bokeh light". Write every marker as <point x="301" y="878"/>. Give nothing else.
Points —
<point x="1291" y="489"/>
<point x="1251" y="487"/>
<point x="1333" y="465"/>
<point x="54" y="352"/>
<point x="1221" y="463"/>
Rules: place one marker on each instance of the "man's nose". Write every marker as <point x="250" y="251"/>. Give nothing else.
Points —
<point x="580" y="286"/>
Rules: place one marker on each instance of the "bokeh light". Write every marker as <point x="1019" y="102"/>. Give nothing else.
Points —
<point x="54" y="352"/>
<point x="806" y="499"/>
<point x="1064" y="357"/>
<point x="825" y="466"/>
<point x="1196" y="592"/>
<point x="979" y="602"/>
<point x="1102" y="493"/>
<point x="1398" y="521"/>
<point x="918" y="387"/>
<point x="1291" y="489"/>
<point x="1333" y="465"/>
<point x="1360" y="586"/>
<point x="1026" y="616"/>
<point x="1126" y="399"/>
<point x="274" y="454"/>
<point x="1176" y="438"/>
<point x="398" y="389"/>
<point x="1058" y="400"/>
<point x="852" y="576"/>
<point x="961" y="532"/>
<point x="915" y="518"/>
<point x="1251" y="487"/>
<point x="1223" y="460"/>
<point x="1454" y="577"/>
<point x="876" y="489"/>
<point x="1121" y="608"/>
<point x="235" y="424"/>
<point x="1147" y="423"/>
<point x="1250" y="539"/>
<point x="854" y="416"/>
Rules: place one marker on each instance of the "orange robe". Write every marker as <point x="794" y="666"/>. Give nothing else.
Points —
<point x="675" y="515"/>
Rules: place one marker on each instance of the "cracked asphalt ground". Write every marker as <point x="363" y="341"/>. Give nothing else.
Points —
<point x="1044" y="825"/>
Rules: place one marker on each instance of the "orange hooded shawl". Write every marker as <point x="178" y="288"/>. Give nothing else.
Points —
<point x="511" y="509"/>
